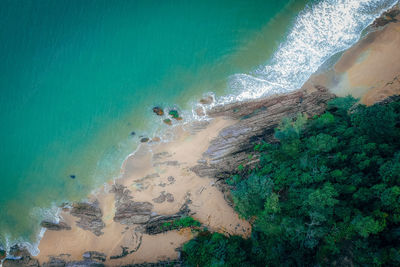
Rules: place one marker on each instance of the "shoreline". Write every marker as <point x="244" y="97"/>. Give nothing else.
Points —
<point x="146" y="176"/>
<point x="345" y="74"/>
<point x="369" y="70"/>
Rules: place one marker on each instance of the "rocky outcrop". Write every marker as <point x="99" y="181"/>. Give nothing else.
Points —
<point x="256" y="121"/>
<point x="55" y="226"/>
<point x="90" y="216"/>
<point x="21" y="258"/>
<point x="127" y="211"/>
<point x="89" y="258"/>
<point x="154" y="225"/>
<point x="387" y="17"/>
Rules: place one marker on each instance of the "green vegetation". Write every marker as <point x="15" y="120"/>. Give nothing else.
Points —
<point x="327" y="194"/>
<point x="183" y="222"/>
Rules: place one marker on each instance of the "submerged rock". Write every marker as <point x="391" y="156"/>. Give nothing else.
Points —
<point x="133" y="133"/>
<point x="90" y="216"/>
<point x="144" y="140"/>
<point x="22" y="258"/>
<point x="159" y="111"/>
<point x="72" y="176"/>
<point x="167" y="121"/>
<point x="206" y="100"/>
<point x="55" y="226"/>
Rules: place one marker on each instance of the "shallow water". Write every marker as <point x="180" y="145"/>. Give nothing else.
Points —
<point x="77" y="77"/>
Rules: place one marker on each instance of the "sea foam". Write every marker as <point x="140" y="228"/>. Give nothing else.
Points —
<point x="320" y="31"/>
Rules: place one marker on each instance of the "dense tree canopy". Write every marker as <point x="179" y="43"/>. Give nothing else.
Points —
<point x="328" y="193"/>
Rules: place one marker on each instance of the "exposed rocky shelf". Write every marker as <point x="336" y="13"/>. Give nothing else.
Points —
<point x="256" y="121"/>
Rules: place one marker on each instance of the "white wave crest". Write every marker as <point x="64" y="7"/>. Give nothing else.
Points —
<point x="320" y="31"/>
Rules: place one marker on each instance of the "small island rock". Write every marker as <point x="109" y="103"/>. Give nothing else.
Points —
<point x="159" y="111"/>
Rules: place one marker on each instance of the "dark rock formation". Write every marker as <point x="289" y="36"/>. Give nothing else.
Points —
<point x="154" y="225"/>
<point x="144" y="139"/>
<point x="387" y="17"/>
<point x="90" y="216"/>
<point x="55" y="262"/>
<point x="94" y="255"/>
<point x="127" y="211"/>
<point x="90" y="258"/>
<point x="84" y="263"/>
<point x="22" y="258"/>
<point x="26" y="261"/>
<point x="256" y="121"/>
<point x="164" y="196"/>
<point x="55" y="226"/>
<point x="159" y="111"/>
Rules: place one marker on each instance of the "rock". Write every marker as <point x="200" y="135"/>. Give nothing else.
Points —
<point x="161" y="198"/>
<point x="174" y="113"/>
<point x="133" y="133"/>
<point x="168" y="163"/>
<point x="22" y="258"/>
<point x="200" y="111"/>
<point x="169" y="197"/>
<point x="55" y="262"/>
<point x="206" y="100"/>
<point x="127" y="211"/>
<point x="144" y="139"/>
<point x="164" y="196"/>
<point x="22" y="262"/>
<point x="154" y="226"/>
<point x="171" y="179"/>
<point x="387" y="17"/>
<point x="167" y="121"/>
<point x="72" y="176"/>
<point x="85" y="263"/>
<point x="55" y="226"/>
<point x="94" y="255"/>
<point x="90" y="216"/>
<point x="256" y="121"/>
<point x="159" y="111"/>
<point x="19" y="251"/>
<point x="161" y="155"/>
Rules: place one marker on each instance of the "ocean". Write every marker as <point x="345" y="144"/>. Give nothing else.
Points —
<point x="77" y="78"/>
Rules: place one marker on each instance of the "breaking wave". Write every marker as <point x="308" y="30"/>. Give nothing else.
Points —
<point x="320" y="31"/>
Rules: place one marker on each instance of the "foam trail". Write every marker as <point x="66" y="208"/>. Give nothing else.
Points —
<point x="320" y="31"/>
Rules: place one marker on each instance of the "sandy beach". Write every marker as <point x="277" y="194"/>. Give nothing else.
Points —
<point x="160" y="173"/>
<point x="156" y="169"/>
<point x="369" y="70"/>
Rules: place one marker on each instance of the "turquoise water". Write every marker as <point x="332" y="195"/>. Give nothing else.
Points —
<point x="77" y="77"/>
